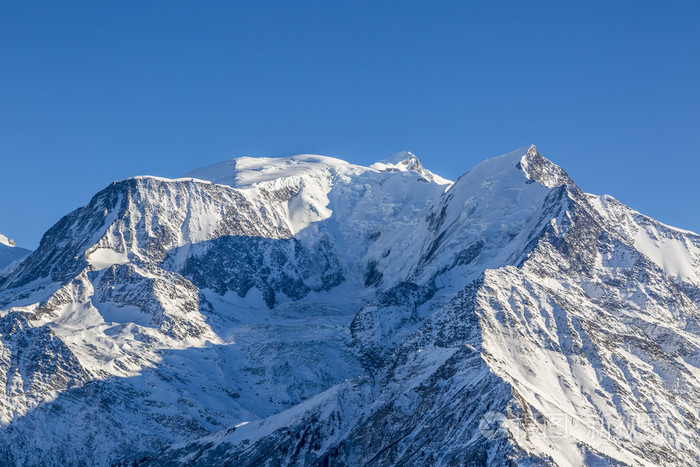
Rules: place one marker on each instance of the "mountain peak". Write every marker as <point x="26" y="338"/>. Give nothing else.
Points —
<point x="4" y="240"/>
<point x="527" y="160"/>
<point x="542" y="170"/>
<point x="405" y="161"/>
<point x="401" y="157"/>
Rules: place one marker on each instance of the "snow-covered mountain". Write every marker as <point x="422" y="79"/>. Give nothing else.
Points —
<point x="304" y="310"/>
<point x="10" y="256"/>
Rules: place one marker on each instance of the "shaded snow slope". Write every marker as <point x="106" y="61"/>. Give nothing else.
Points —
<point x="10" y="256"/>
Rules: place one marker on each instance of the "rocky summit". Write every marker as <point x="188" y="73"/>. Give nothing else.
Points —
<point x="308" y="311"/>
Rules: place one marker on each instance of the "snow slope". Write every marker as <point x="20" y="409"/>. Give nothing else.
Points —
<point x="10" y="256"/>
<point x="674" y="250"/>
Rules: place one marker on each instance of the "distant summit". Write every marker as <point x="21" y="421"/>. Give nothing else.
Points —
<point x="10" y="256"/>
<point x="6" y="241"/>
<point x="405" y="161"/>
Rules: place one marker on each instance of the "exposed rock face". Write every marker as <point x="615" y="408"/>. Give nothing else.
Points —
<point x="307" y="311"/>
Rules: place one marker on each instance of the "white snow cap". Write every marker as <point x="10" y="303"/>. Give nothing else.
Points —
<point x="245" y="172"/>
<point x="4" y="240"/>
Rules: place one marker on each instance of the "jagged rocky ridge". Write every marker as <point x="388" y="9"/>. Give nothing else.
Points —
<point x="308" y="311"/>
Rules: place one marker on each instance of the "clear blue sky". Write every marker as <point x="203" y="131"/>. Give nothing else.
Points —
<point x="92" y="92"/>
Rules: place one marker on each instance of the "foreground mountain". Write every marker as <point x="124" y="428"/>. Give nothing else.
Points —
<point x="309" y="311"/>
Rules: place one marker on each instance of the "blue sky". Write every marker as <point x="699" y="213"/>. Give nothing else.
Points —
<point x="92" y="92"/>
